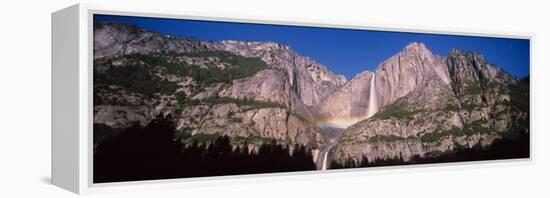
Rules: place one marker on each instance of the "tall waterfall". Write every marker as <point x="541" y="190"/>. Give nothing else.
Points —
<point x="373" y="106"/>
<point x="325" y="161"/>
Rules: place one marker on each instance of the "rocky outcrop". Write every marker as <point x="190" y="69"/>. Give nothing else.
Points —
<point x="310" y="80"/>
<point x="116" y="39"/>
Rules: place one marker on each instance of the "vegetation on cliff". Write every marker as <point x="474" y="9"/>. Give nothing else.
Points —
<point x="503" y="148"/>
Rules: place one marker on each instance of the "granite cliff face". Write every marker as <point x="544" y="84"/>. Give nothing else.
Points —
<point x="368" y="92"/>
<point x="310" y="80"/>
<point x="433" y="104"/>
<point x="250" y="91"/>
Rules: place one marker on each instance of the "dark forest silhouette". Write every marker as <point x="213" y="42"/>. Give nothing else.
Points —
<point x="152" y="152"/>
<point x="509" y="147"/>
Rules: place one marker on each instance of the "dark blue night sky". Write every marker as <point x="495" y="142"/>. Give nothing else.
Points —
<point x="344" y="51"/>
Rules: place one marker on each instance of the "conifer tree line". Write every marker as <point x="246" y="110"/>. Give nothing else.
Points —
<point x="152" y="152"/>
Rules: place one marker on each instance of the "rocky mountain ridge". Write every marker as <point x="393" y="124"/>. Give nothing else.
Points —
<point x="414" y="104"/>
<point x="458" y="101"/>
<point x="368" y="92"/>
<point x="250" y="91"/>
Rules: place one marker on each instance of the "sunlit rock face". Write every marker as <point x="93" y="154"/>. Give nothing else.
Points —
<point x="290" y="86"/>
<point x="368" y="92"/>
<point x="432" y="104"/>
<point x="310" y="80"/>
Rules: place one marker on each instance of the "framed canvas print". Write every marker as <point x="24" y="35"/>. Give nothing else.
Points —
<point x="141" y="96"/>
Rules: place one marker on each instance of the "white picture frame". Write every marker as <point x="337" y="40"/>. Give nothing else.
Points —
<point x="72" y="107"/>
